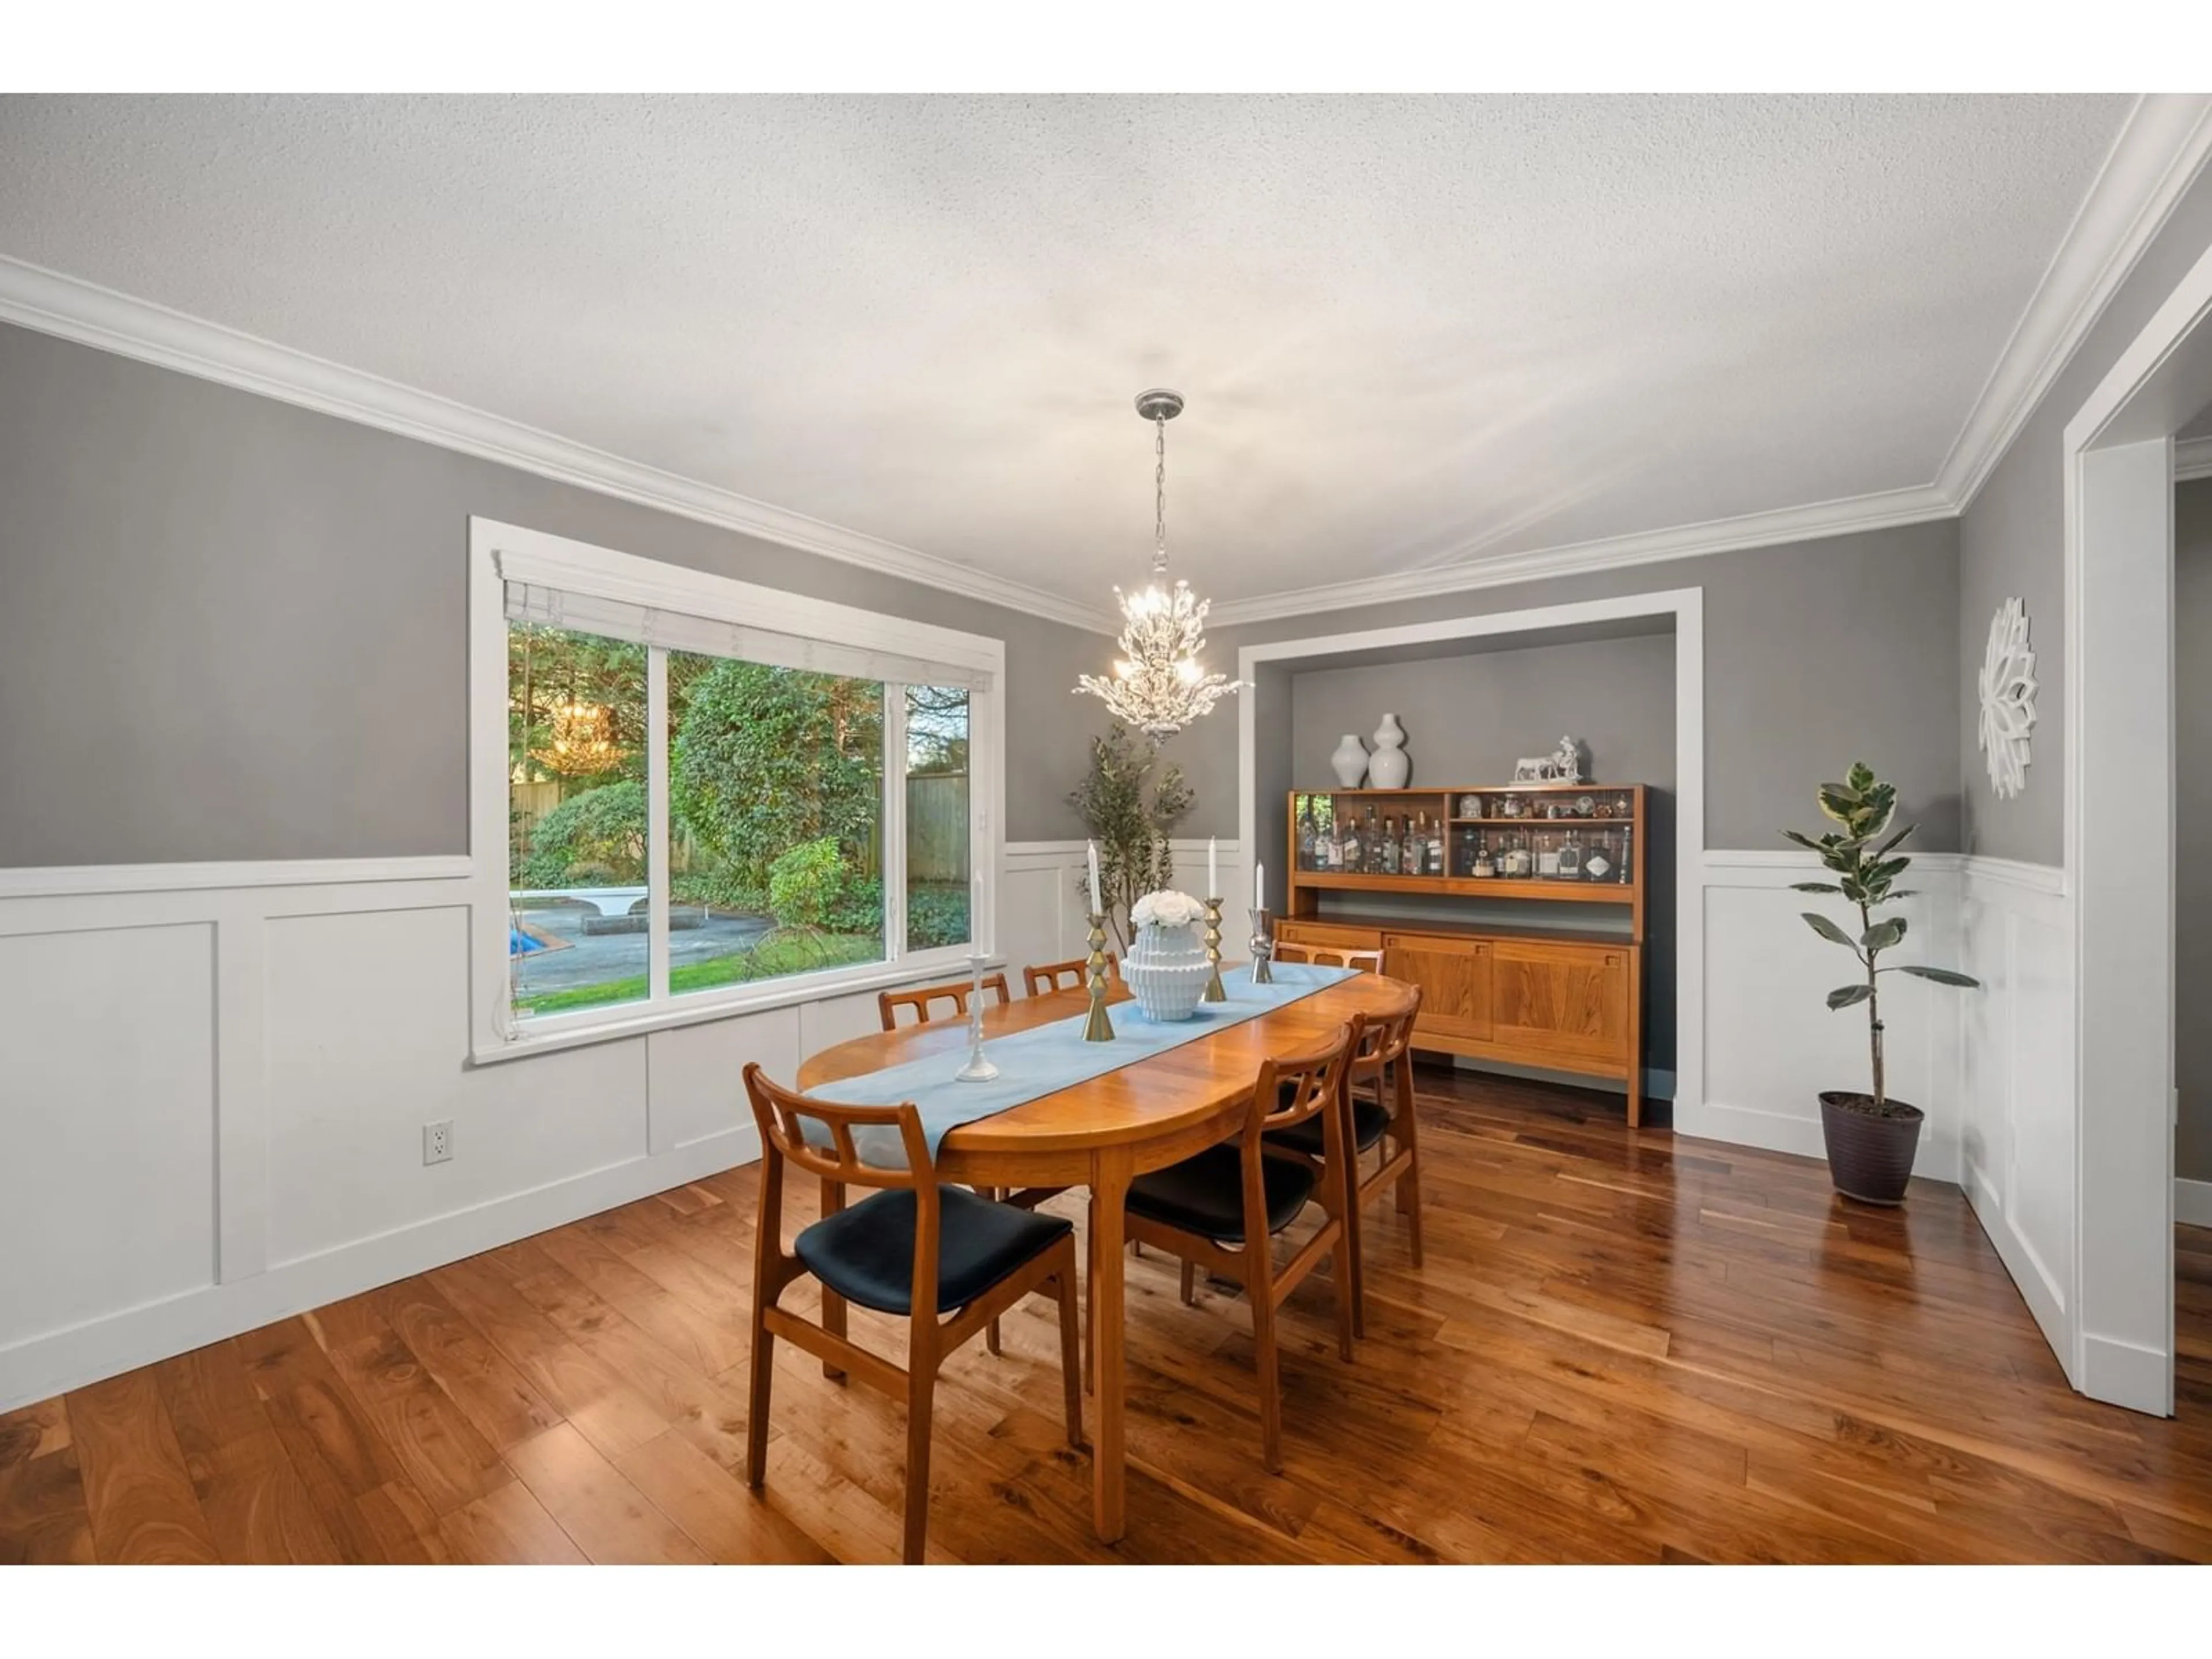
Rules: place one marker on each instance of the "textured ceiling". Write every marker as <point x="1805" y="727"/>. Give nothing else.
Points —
<point x="1412" y="332"/>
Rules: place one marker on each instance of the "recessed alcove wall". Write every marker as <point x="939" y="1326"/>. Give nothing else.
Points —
<point x="1470" y="708"/>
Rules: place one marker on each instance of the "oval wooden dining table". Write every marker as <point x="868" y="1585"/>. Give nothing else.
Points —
<point x="1100" y="1134"/>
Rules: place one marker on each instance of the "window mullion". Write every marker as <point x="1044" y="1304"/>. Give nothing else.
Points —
<point x="656" y="819"/>
<point x="894" y="818"/>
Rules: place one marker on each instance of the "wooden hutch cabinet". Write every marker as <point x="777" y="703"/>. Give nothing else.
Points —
<point x="1557" y="998"/>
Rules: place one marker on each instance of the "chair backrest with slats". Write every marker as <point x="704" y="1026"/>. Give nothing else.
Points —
<point x="1045" y="978"/>
<point x="781" y="1114"/>
<point x="920" y="1000"/>
<point x="1295" y="1087"/>
<point x="1332" y="955"/>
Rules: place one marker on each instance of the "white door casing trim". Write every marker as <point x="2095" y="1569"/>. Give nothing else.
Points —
<point x="1685" y="606"/>
<point x="2117" y="468"/>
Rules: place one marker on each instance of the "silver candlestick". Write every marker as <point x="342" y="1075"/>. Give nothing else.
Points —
<point x="1263" y="947"/>
<point x="979" y="1068"/>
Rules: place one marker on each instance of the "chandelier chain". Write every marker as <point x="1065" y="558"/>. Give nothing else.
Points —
<point x="1159" y="495"/>
<point x="1158" y="685"/>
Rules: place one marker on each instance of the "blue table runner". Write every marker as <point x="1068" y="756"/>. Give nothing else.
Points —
<point x="1045" y="1058"/>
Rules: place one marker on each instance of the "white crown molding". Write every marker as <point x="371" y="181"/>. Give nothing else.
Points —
<point x="52" y="303"/>
<point x="2192" y="458"/>
<point x="2157" y="155"/>
<point x="1792" y="524"/>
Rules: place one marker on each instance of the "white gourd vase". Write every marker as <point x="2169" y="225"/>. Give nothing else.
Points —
<point x="1167" y="971"/>
<point x="1390" y="765"/>
<point x="1350" y="761"/>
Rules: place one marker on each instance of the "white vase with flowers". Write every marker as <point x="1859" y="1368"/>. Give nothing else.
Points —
<point x="1167" y="967"/>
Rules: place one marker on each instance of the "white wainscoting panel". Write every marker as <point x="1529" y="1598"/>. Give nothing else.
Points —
<point x="1040" y="909"/>
<point x="1771" y="1045"/>
<point x="213" y="1096"/>
<point x="107" y="1114"/>
<point x="2018" y="1131"/>
<point x="696" y="1089"/>
<point x="368" y="1034"/>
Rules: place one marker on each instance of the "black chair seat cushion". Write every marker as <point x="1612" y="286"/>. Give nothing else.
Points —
<point x="1367" y="1122"/>
<point x="866" y="1252"/>
<point x="1205" y="1194"/>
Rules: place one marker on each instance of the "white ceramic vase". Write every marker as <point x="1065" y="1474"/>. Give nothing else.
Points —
<point x="1390" y="765"/>
<point x="1350" y="761"/>
<point x="1167" y="971"/>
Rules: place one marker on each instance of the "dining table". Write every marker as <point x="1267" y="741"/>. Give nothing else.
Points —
<point x="1100" y="1134"/>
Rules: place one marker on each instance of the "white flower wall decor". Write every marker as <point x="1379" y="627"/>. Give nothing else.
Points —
<point x="2008" y="690"/>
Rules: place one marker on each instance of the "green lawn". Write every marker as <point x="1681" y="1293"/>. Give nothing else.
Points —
<point x="775" y="957"/>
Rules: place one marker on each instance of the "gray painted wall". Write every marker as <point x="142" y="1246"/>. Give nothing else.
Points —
<point x="2012" y="542"/>
<point x="2192" y="744"/>
<point x="242" y="626"/>
<point x="1817" y="653"/>
<point x="1469" y="716"/>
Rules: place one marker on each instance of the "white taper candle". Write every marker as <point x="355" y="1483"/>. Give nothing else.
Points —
<point x="1097" y="907"/>
<point x="1212" y="875"/>
<point x="1259" y="887"/>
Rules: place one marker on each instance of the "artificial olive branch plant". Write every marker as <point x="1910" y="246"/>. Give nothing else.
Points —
<point x="1865" y="873"/>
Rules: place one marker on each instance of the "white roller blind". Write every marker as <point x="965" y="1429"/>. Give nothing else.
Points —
<point x="676" y="630"/>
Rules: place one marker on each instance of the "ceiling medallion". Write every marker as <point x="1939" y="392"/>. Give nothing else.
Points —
<point x="1157" y="684"/>
<point x="2008" y="689"/>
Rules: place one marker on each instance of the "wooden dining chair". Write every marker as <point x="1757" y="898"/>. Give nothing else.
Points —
<point x="1044" y="979"/>
<point x="920" y="1000"/>
<point x="1221" y="1209"/>
<point x="1332" y="955"/>
<point x="1378" y="1112"/>
<point x="912" y="1249"/>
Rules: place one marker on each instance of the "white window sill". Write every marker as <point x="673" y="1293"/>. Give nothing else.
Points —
<point x="638" y="1019"/>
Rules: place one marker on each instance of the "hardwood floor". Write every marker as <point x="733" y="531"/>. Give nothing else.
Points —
<point x="1622" y="1348"/>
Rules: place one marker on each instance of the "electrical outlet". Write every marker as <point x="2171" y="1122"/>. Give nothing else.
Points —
<point x="438" y="1141"/>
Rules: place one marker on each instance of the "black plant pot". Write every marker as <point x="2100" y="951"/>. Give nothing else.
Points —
<point x="1869" y="1151"/>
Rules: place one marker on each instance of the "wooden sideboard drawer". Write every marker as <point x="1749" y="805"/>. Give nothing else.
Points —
<point x="1570" y="1001"/>
<point x="1454" y="975"/>
<point x="1294" y="931"/>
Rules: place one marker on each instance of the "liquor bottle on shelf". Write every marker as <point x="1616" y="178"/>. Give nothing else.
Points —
<point x="1414" y="850"/>
<point x="1518" y="865"/>
<point x="1393" y="848"/>
<point x="1309" y="838"/>
<point x="1371" y="843"/>
<point x="1571" y="857"/>
<point x="1484" y="867"/>
<point x="1628" y="856"/>
<point x="1355" y="850"/>
<point x="1598" y="864"/>
<point x="1547" y="856"/>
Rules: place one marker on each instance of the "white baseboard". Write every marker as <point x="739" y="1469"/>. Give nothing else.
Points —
<point x="2127" y="1374"/>
<point x="57" y="1361"/>
<point x="2192" y="1202"/>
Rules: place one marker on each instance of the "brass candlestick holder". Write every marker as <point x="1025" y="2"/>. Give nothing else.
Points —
<point x="1097" y="1028"/>
<point x="1263" y="947"/>
<point x="1213" y="991"/>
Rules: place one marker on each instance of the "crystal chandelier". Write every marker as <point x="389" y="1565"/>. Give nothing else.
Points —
<point x="1157" y="684"/>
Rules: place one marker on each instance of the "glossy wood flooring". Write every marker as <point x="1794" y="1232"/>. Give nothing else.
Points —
<point x="1622" y="1348"/>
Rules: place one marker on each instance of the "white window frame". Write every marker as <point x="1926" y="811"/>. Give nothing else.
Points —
<point x="499" y="553"/>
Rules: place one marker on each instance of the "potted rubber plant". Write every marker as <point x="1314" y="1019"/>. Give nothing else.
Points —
<point x="1871" y="1138"/>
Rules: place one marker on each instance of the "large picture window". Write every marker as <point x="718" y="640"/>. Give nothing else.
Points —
<point x="716" y="796"/>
